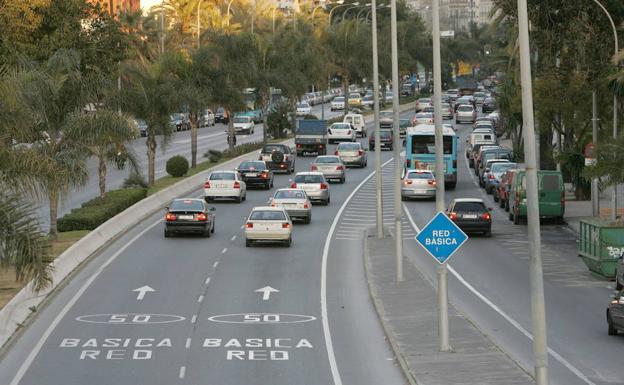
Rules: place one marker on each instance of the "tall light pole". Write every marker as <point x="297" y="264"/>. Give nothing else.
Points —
<point x="443" y="326"/>
<point x="378" y="201"/>
<point x="538" y="308"/>
<point x="357" y="6"/>
<point x="340" y="2"/>
<point x="398" y="211"/>
<point x="331" y="12"/>
<point x="615" y="106"/>
<point x="228" y="11"/>
<point x="198" y="24"/>
<point x="357" y="15"/>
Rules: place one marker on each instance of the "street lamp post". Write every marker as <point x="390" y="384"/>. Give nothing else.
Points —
<point x="378" y="201"/>
<point x="357" y="6"/>
<point x="340" y="2"/>
<point x="335" y="8"/>
<point x="228" y="11"/>
<point x="398" y="210"/>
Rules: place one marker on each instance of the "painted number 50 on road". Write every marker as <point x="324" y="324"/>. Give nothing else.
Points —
<point x="271" y="318"/>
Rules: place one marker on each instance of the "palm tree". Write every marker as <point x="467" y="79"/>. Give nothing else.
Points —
<point x="104" y="134"/>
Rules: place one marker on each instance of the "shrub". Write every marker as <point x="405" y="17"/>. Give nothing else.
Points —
<point x="310" y="117"/>
<point x="135" y="180"/>
<point x="242" y="149"/>
<point x="177" y="166"/>
<point x="213" y="155"/>
<point x="97" y="211"/>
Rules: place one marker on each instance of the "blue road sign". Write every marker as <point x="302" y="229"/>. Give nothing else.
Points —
<point x="441" y="237"/>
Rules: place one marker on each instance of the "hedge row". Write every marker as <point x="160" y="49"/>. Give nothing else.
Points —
<point x="97" y="211"/>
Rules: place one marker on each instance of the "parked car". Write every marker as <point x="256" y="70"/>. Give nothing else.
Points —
<point x="180" y="122"/>
<point x="489" y="105"/>
<point x="479" y="97"/>
<point x="504" y="186"/>
<point x="493" y="175"/>
<point x="488" y="154"/>
<point x="352" y="153"/>
<point x="551" y="195"/>
<point x="466" y="113"/>
<point x="388" y="97"/>
<point x="338" y="104"/>
<point x="368" y="101"/>
<point x="471" y="215"/>
<point x="225" y="185"/>
<point x="278" y="157"/>
<point x="243" y="125"/>
<point x="476" y="148"/>
<point x="222" y="116"/>
<point x="207" y="118"/>
<point x="189" y="215"/>
<point x="485" y="174"/>
<point x="418" y="184"/>
<point x="303" y="109"/>
<point x="314" y="184"/>
<point x="256" y="173"/>
<point x="270" y="224"/>
<point x="386" y="119"/>
<point x="141" y="127"/>
<point x="355" y="100"/>
<point x="615" y="314"/>
<point x="341" y="132"/>
<point x="357" y="121"/>
<point x="479" y="136"/>
<point x="330" y="166"/>
<point x="295" y="202"/>
<point x="386" y="140"/>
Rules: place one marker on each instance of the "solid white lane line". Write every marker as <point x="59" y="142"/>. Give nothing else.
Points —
<point x="182" y="373"/>
<point x="207" y="281"/>
<point x="188" y="343"/>
<point x="508" y="318"/>
<point x="214" y="265"/>
<point x="234" y="237"/>
<point x="194" y="319"/>
<point x="46" y="334"/>
<point x="328" y="340"/>
<point x="224" y="251"/>
<point x="200" y="298"/>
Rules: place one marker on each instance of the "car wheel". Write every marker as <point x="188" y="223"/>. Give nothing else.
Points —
<point x="213" y="227"/>
<point x="207" y="233"/>
<point x="326" y="202"/>
<point x="488" y="233"/>
<point x="370" y="148"/>
<point x="248" y="243"/>
<point x="308" y="219"/>
<point x="342" y="180"/>
<point x="244" y="197"/>
<point x="516" y="218"/>
<point x="506" y="205"/>
<point x="289" y="242"/>
<point x="612" y="331"/>
<point x="238" y="199"/>
<point x="511" y="216"/>
<point x="167" y="233"/>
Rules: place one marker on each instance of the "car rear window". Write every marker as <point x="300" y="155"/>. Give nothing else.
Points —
<point x="222" y="176"/>
<point x="550" y="182"/>
<point x="308" y="179"/>
<point x="252" y="166"/>
<point x="340" y="126"/>
<point x="339" y="99"/>
<point x="186" y="205"/>
<point x="267" y="215"/>
<point x="385" y="134"/>
<point x="469" y="206"/>
<point x="420" y="175"/>
<point x="502" y="167"/>
<point x="289" y="194"/>
<point x="327" y="159"/>
<point x="465" y="109"/>
<point x="349" y="146"/>
<point x="270" y="148"/>
<point x="242" y="119"/>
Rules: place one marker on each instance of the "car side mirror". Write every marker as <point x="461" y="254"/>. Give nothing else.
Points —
<point x="212" y="209"/>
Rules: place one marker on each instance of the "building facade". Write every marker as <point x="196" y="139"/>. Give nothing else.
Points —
<point x="455" y="15"/>
<point x="115" y="6"/>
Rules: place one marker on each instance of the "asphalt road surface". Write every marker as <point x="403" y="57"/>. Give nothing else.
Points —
<point x="205" y="322"/>
<point x="208" y="138"/>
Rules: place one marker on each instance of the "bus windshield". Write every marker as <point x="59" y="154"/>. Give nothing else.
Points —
<point x="425" y="144"/>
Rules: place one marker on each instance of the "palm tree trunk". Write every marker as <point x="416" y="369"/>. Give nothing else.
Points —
<point x="102" y="175"/>
<point x="194" y="116"/>
<point x="265" y="99"/>
<point x="151" y="159"/>
<point x="53" y="197"/>
<point x="345" y="92"/>
<point x="230" y="130"/>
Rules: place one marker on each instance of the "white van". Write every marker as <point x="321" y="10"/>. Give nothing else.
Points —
<point x="479" y="135"/>
<point x="357" y="121"/>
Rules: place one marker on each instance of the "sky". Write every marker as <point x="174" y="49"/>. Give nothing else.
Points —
<point x="146" y="4"/>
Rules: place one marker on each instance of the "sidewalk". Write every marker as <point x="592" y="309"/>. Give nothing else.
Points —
<point x="575" y="211"/>
<point x="408" y="312"/>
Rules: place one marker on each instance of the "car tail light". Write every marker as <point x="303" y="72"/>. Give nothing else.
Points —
<point x="282" y="165"/>
<point x="249" y="225"/>
<point x="306" y="206"/>
<point x="360" y="152"/>
<point x="298" y="146"/>
<point x="236" y="184"/>
<point x="285" y="225"/>
<point x="407" y="181"/>
<point x="202" y="217"/>
<point x="293" y="185"/>
<point x="491" y="176"/>
<point x="339" y="167"/>
<point x="313" y="168"/>
<point x="206" y="184"/>
<point x="170" y="217"/>
<point x="264" y="175"/>
<point x="336" y="152"/>
<point x="431" y="182"/>
<point x="321" y="146"/>
<point x="272" y="204"/>
<point x="486" y="216"/>
<point x="324" y="186"/>
<point x="453" y="216"/>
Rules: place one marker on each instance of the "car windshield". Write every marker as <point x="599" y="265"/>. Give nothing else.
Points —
<point x="252" y="166"/>
<point x="469" y="206"/>
<point x="385" y="134"/>
<point x="327" y="159"/>
<point x="241" y="119"/>
<point x="465" y="109"/>
<point x="289" y="194"/>
<point x="222" y="176"/>
<point x="424" y="115"/>
<point x="340" y="126"/>
<point x="186" y="205"/>
<point x="303" y="105"/>
<point x="309" y="178"/>
<point x="270" y="148"/>
<point x="267" y="215"/>
<point x="349" y="146"/>
<point x="423" y="101"/>
<point x="339" y="99"/>
<point x="385" y="114"/>
<point x="420" y="175"/>
<point x="368" y="97"/>
<point x="354" y="96"/>
<point x="220" y="110"/>
<point x="500" y="168"/>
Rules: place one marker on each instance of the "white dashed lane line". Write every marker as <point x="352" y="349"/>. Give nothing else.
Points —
<point x="182" y="372"/>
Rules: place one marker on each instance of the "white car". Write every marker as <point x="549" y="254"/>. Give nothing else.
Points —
<point x="243" y="125"/>
<point x="295" y="202"/>
<point x="303" y="109"/>
<point x="465" y="113"/>
<point x="418" y="184"/>
<point x="422" y="103"/>
<point x="225" y="184"/>
<point x="338" y="104"/>
<point x="207" y="118"/>
<point x="268" y="224"/>
<point x="341" y="132"/>
<point x="357" y="121"/>
<point x="388" y="97"/>
<point x="423" y="118"/>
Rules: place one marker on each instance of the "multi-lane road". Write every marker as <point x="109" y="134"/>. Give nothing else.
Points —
<point x="206" y="322"/>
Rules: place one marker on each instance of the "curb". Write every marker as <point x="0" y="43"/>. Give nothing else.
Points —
<point x="18" y="312"/>
<point x="381" y="315"/>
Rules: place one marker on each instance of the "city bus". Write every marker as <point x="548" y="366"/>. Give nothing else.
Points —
<point x="420" y="150"/>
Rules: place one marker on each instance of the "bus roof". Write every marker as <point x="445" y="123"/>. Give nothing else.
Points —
<point x="429" y="129"/>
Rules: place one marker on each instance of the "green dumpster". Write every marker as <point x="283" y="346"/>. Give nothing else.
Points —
<point x="601" y="242"/>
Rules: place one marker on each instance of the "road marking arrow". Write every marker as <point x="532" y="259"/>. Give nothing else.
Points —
<point x="266" y="292"/>
<point x="142" y="291"/>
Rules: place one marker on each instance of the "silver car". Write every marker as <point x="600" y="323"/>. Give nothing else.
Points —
<point x="418" y="184"/>
<point x="352" y="154"/>
<point x="268" y="224"/>
<point x="295" y="202"/>
<point x="314" y="184"/>
<point x="330" y="166"/>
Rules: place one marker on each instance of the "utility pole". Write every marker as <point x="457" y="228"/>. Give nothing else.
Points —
<point x="443" y="326"/>
<point x="538" y="307"/>
<point x="595" y="198"/>
<point x="398" y="211"/>
<point x="378" y="200"/>
<point x="162" y="28"/>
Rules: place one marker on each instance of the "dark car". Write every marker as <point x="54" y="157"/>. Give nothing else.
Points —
<point x="180" y="121"/>
<point x="471" y="215"/>
<point x="489" y="105"/>
<point x="615" y="314"/>
<point x="142" y="126"/>
<point x="256" y="173"/>
<point x="278" y="157"/>
<point x="189" y="215"/>
<point x="619" y="271"/>
<point x="385" y="138"/>
<point x="222" y="116"/>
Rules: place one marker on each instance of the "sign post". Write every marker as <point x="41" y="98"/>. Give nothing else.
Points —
<point x="441" y="238"/>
